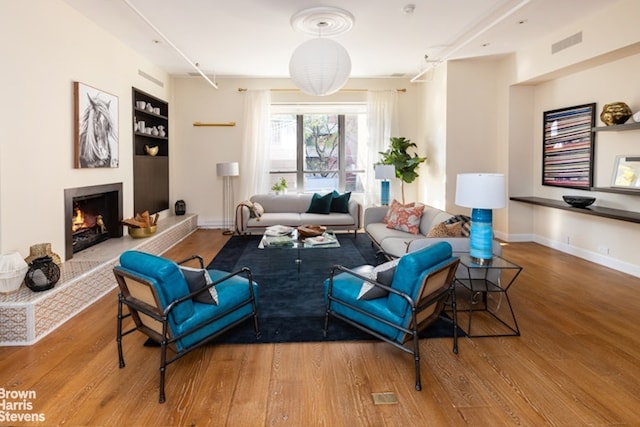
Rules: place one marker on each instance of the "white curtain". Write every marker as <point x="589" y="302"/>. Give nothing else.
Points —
<point x="256" y="140"/>
<point x="382" y="116"/>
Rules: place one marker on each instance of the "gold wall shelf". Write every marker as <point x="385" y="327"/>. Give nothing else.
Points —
<point x="214" y="124"/>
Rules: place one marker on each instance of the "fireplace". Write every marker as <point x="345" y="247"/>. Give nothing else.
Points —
<point x="92" y="215"/>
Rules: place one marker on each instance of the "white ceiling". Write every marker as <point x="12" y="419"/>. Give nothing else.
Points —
<point x="254" y="38"/>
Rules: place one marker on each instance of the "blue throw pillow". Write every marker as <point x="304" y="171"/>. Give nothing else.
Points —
<point x="320" y="204"/>
<point x="340" y="202"/>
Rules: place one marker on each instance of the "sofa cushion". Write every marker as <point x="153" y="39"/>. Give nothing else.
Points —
<point x="465" y="223"/>
<point x="446" y="230"/>
<point x="198" y="278"/>
<point x="430" y="217"/>
<point x="340" y="202"/>
<point x="396" y="205"/>
<point x="320" y="204"/>
<point x="291" y="202"/>
<point x="406" y="219"/>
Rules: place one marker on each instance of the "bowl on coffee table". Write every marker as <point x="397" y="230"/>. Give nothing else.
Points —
<point x="311" y="230"/>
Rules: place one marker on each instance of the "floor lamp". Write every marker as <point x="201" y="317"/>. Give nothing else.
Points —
<point x="226" y="171"/>
<point x="481" y="192"/>
<point x="385" y="173"/>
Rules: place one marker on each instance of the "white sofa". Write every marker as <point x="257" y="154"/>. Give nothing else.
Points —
<point x="291" y="210"/>
<point x="395" y="243"/>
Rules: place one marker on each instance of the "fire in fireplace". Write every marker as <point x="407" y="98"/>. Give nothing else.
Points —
<point x="87" y="225"/>
<point x="92" y="215"/>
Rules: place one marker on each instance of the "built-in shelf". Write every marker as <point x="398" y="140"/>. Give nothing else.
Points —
<point x="616" y="190"/>
<point x="591" y="210"/>
<point x="617" y="128"/>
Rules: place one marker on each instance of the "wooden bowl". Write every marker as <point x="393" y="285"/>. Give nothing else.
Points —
<point x="311" y="230"/>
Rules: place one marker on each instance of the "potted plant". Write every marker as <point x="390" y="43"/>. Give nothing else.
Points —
<point x="406" y="164"/>
<point x="280" y="186"/>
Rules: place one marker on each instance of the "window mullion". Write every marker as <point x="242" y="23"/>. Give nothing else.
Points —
<point x="341" y="153"/>
<point x="300" y="152"/>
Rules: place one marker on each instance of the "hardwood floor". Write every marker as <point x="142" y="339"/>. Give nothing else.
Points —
<point x="576" y="363"/>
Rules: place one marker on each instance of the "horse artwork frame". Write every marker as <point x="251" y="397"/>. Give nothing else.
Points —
<point x="95" y="127"/>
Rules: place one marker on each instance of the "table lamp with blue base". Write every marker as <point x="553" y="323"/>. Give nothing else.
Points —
<point x="481" y="192"/>
<point x="385" y="173"/>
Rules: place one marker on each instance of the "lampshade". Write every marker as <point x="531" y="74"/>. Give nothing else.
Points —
<point x="320" y="66"/>
<point x="385" y="171"/>
<point x="480" y="190"/>
<point x="228" y="169"/>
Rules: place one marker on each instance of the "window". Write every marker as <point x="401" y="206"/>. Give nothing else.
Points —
<point x="319" y="149"/>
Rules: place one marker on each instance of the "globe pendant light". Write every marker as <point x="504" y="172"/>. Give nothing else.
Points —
<point x="321" y="66"/>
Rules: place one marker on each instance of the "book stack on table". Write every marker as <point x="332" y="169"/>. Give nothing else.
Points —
<point x="278" y="241"/>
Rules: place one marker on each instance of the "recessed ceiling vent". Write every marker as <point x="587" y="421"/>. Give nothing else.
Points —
<point x="568" y="42"/>
<point x="150" y="78"/>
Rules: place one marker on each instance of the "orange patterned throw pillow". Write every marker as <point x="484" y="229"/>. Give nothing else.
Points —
<point x="406" y="219"/>
<point x="393" y="206"/>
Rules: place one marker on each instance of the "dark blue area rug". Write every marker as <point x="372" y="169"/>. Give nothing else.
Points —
<point x="290" y="295"/>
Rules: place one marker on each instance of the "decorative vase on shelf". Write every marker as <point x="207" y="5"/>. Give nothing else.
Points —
<point x="615" y="113"/>
<point x="152" y="151"/>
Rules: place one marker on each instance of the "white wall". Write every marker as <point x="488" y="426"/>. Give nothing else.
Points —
<point x="198" y="149"/>
<point x="434" y="126"/>
<point x="602" y="69"/>
<point x="46" y="46"/>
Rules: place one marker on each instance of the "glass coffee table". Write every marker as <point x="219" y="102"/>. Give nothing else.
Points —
<point x="288" y="238"/>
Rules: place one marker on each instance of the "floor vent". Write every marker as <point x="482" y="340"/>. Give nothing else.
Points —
<point x="568" y="42"/>
<point x="385" y="398"/>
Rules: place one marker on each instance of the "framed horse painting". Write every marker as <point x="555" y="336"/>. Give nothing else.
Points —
<point x="95" y="128"/>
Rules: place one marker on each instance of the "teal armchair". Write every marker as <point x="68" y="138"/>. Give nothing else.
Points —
<point x="420" y="286"/>
<point x="157" y="296"/>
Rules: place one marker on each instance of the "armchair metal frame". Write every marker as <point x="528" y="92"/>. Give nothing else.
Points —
<point x="416" y="325"/>
<point x="144" y="308"/>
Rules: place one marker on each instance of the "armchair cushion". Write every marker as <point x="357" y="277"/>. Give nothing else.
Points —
<point x="161" y="270"/>
<point x="231" y="292"/>
<point x="381" y="274"/>
<point x="346" y="288"/>
<point x="412" y="269"/>
<point x="197" y="279"/>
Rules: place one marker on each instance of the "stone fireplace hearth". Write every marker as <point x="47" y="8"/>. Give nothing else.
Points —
<point x="27" y="316"/>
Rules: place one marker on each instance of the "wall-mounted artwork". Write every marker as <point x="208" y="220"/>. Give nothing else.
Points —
<point x="626" y="172"/>
<point x="567" y="150"/>
<point x="95" y="127"/>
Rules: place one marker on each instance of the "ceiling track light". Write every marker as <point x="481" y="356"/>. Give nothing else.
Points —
<point x="170" y="43"/>
<point x="458" y="46"/>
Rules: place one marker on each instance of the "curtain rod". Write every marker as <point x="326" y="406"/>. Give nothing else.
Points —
<point x="244" y="89"/>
